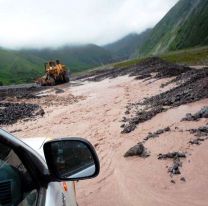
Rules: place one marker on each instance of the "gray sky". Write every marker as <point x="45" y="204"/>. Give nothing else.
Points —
<point x="43" y="23"/>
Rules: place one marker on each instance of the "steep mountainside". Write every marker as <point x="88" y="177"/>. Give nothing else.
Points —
<point x="184" y="26"/>
<point x="126" y="47"/>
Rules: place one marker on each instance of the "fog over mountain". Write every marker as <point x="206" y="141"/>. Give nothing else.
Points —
<point x="38" y="24"/>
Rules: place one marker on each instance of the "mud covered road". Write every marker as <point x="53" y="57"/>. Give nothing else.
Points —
<point x="159" y="106"/>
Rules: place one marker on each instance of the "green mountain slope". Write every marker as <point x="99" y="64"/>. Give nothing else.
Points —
<point x="17" y="68"/>
<point x="126" y="47"/>
<point x="77" y="58"/>
<point x="184" y="26"/>
<point x="26" y="65"/>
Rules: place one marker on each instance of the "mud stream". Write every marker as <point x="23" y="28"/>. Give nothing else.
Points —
<point x="96" y="115"/>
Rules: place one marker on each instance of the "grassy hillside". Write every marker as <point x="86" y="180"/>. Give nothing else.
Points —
<point x="195" y="56"/>
<point x="17" y="68"/>
<point x="194" y="31"/>
<point x="77" y="58"/>
<point x="25" y="65"/>
<point x="184" y="26"/>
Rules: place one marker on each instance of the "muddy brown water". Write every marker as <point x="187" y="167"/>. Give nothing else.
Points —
<point x="94" y="110"/>
<point x="132" y="181"/>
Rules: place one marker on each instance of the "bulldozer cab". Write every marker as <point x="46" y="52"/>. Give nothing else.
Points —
<point x="50" y="65"/>
<point x="55" y="73"/>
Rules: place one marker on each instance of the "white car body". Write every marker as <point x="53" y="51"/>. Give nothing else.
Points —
<point x="58" y="193"/>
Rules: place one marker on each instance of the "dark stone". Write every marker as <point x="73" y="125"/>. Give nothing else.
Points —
<point x="128" y="128"/>
<point x="127" y="112"/>
<point x="137" y="150"/>
<point x="40" y="112"/>
<point x="183" y="179"/>
<point x="173" y="181"/>
<point x="58" y="91"/>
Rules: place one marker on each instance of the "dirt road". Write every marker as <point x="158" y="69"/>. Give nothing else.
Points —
<point x="97" y="114"/>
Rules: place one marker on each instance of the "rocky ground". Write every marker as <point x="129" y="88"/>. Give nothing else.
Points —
<point x="28" y="102"/>
<point x="148" y="124"/>
<point x="149" y="68"/>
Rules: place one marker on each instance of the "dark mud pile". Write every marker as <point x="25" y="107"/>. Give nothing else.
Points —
<point x="141" y="116"/>
<point x="203" y="113"/>
<point x="11" y="110"/>
<point x="27" y="101"/>
<point x="172" y="155"/>
<point x="20" y="92"/>
<point x="192" y="87"/>
<point x="157" y="133"/>
<point x="189" y="76"/>
<point x="177" y="164"/>
<point x="201" y="135"/>
<point x="153" y="67"/>
<point x="10" y="113"/>
<point x="200" y="132"/>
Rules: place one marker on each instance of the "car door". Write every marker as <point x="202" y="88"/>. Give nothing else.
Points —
<point x="21" y="184"/>
<point x="27" y="179"/>
<point x="17" y="186"/>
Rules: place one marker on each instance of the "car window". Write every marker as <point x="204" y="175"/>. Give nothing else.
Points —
<point x="16" y="185"/>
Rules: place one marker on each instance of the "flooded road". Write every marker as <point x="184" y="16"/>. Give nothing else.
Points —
<point x="96" y="115"/>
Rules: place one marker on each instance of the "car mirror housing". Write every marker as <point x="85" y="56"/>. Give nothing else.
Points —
<point x="71" y="159"/>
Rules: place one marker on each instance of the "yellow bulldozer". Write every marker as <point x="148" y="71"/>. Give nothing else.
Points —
<point x="55" y="73"/>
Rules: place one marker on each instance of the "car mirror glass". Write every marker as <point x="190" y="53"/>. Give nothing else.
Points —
<point x="71" y="159"/>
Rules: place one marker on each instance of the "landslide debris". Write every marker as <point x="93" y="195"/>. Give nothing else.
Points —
<point x="201" y="133"/>
<point x="177" y="164"/>
<point x="197" y="141"/>
<point x="20" y="92"/>
<point x="10" y="113"/>
<point x="191" y="89"/>
<point x="203" y="113"/>
<point x="29" y="100"/>
<point x="188" y="76"/>
<point x="175" y="168"/>
<point x="156" y="134"/>
<point x="140" y="117"/>
<point x="172" y="155"/>
<point x="137" y="150"/>
<point x="152" y="67"/>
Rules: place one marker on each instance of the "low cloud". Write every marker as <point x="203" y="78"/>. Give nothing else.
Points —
<point x="29" y="23"/>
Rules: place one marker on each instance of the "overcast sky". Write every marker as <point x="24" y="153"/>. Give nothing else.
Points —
<point x="43" y="23"/>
